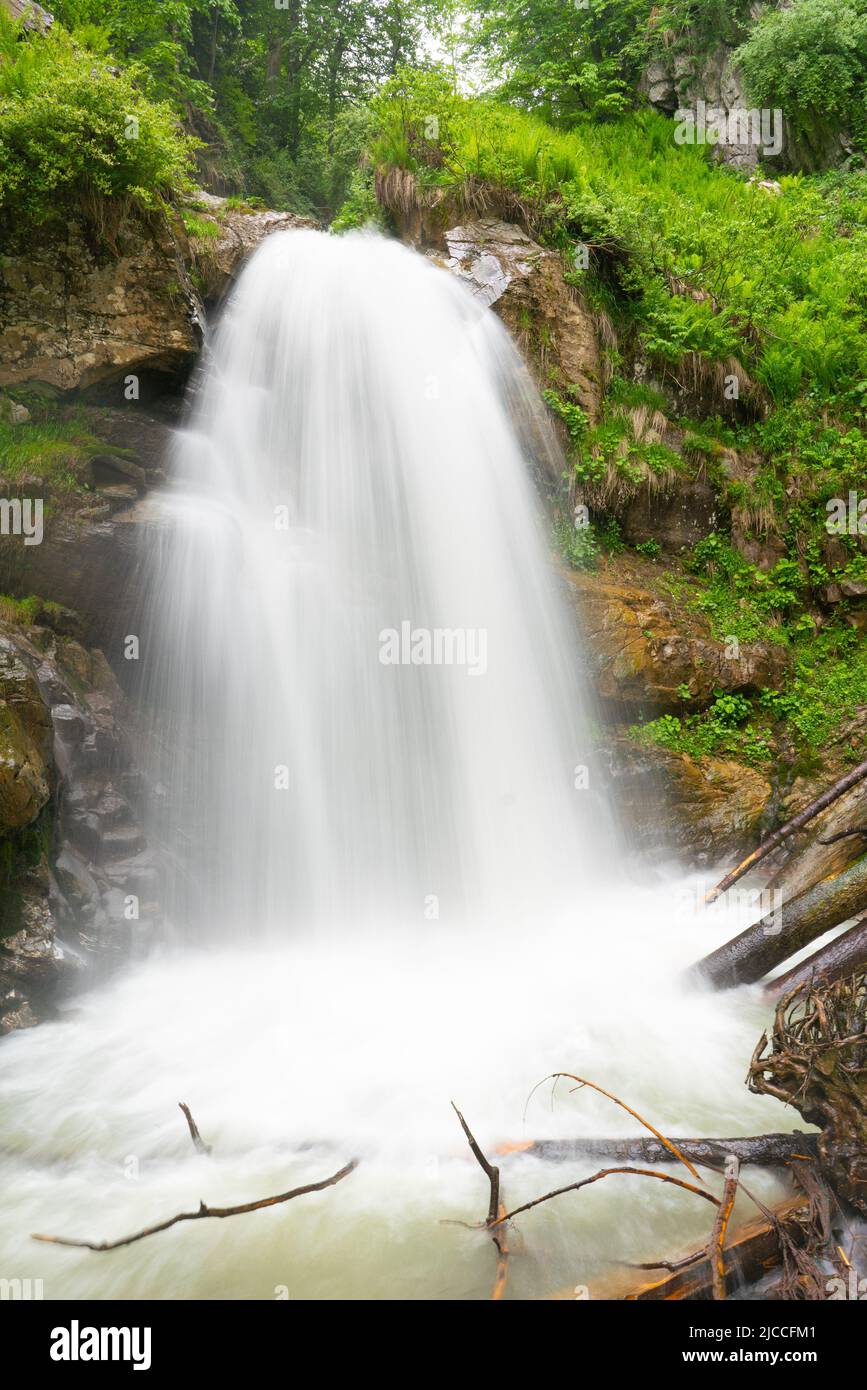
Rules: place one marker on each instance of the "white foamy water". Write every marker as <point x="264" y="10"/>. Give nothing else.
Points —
<point x="389" y="890"/>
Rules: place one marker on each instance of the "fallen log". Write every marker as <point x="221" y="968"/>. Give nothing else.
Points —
<point x="814" y="809"/>
<point x="753" y="1251"/>
<point x="768" y="942"/>
<point x="842" y="956"/>
<point x="763" y="1150"/>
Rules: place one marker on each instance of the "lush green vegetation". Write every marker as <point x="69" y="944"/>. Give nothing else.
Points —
<point x="811" y="61"/>
<point x="73" y="128"/>
<point x="697" y="259"/>
<point x="272" y="89"/>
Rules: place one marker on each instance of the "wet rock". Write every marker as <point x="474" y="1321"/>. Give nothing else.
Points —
<point x="238" y="233"/>
<point x="89" y="566"/>
<point x="24" y="742"/>
<point x="523" y="282"/>
<point x="707" y="811"/>
<point x="54" y="922"/>
<point x="642" y="655"/>
<point x="677" y="517"/>
<point x="108" y="469"/>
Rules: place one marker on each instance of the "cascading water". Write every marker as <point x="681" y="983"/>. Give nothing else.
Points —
<point x="364" y="712"/>
<point x="363" y="682"/>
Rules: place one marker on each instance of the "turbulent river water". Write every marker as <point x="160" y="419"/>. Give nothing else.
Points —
<point x="392" y="876"/>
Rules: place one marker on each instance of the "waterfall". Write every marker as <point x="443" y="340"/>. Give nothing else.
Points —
<point x="364" y="688"/>
<point x="394" y="882"/>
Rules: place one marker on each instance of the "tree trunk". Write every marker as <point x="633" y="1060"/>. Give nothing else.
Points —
<point x="749" y="956"/>
<point x="752" y="1251"/>
<point x="764" y="1150"/>
<point x="844" y="955"/>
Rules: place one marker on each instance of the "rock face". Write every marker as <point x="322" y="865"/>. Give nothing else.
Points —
<point x="808" y="861"/>
<point x="642" y="655"/>
<point x="683" y="79"/>
<point x="524" y="285"/>
<point x="25" y="741"/>
<point x="676" y="518"/>
<point x="77" y="883"/>
<point x="76" y="311"/>
<point x="708" y="810"/>
<point x="238" y="232"/>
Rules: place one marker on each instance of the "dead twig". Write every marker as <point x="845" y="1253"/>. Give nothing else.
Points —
<point x="203" y="1212"/>
<point x="567" y="1075"/>
<point x="717" y="1241"/>
<point x="496" y="1211"/>
<point x="201" y="1146"/>
<point x="844" y="835"/>
<point x="606" y="1173"/>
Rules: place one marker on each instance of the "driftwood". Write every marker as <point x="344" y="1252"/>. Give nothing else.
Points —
<point x="842" y="956"/>
<point x="763" y="1150"/>
<point x="716" y="1249"/>
<point x="749" y="956"/>
<point x="809" y="813"/>
<point x="815" y="1059"/>
<point x="754" y="1250"/>
<point x="496" y="1219"/>
<point x="203" y="1212"/>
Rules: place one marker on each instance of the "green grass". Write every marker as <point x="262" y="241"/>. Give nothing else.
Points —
<point x="25" y="612"/>
<point x="200" y="228"/>
<point x="53" y="450"/>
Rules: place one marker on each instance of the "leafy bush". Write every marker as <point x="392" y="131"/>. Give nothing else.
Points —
<point x="72" y="127"/>
<point x="811" y="60"/>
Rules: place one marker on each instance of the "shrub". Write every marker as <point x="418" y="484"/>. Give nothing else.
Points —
<point x="811" y="60"/>
<point x="74" y="129"/>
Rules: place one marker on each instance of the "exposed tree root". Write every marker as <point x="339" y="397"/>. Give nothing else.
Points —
<point x="815" y="1059"/>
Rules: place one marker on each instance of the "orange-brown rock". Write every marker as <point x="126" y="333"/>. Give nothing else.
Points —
<point x="643" y="655"/>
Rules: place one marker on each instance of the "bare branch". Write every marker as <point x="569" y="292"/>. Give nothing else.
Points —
<point x="496" y="1211"/>
<point x="717" y="1240"/>
<point x="555" y="1077"/>
<point x="201" y="1146"/>
<point x="605" y="1173"/>
<point x="202" y="1212"/>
